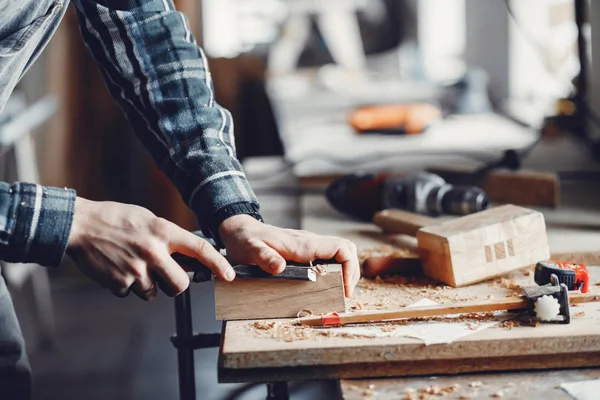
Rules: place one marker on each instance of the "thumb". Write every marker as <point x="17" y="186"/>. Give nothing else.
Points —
<point x="269" y="260"/>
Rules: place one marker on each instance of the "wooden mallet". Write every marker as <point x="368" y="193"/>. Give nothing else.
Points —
<point x="475" y="247"/>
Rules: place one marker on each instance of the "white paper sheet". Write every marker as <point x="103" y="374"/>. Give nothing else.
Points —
<point x="430" y="332"/>
<point x="584" y="390"/>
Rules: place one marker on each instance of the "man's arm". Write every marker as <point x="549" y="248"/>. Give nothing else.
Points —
<point x="160" y="78"/>
<point x="35" y="222"/>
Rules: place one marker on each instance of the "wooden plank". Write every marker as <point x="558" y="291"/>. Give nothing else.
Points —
<point x="248" y="356"/>
<point x="518" y="385"/>
<point x="275" y="298"/>
<point x="380" y="368"/>
<point x="581" y="335"/>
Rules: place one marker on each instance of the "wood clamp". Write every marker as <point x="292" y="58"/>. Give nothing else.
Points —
<point x="544" y="302"/>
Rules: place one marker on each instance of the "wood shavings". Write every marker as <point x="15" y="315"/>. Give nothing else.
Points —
<point x="428" y="391"/>
<point x="580" y="314"/>
<point x="497" y="395"/>
<point x="410" y="394"/>
<point x="388" y="328"/>
<point x="368" y="393"/>
<point x="509" y="324"/>
<point x="319" y="270"/>
<point x="597" y="283"/>
<point x="523" y="321"/>
<point x="263" y="325"/>
<point x="506" y="284"/>
<point x="385" y="251"/>
<point x="476" y="384"/>
<point x="466" y="397"/>
<point x="401" y="291"/>
<point x="304" y="313"/>
<point x="372" y="386"/>
<point x="472" y="326"/>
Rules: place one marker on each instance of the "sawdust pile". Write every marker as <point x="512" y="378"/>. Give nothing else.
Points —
<point x="507" y="284"/>
<point x="385" y="251"/>
<point x="291" y="331"/>
<point x="428" y="392"/>
<point x="383" y="293"/>
<point x="517" y="322"/>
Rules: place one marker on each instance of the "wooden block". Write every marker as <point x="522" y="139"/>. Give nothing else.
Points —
<point x="275" y="298"/>
<point x="503" y="186"/>
<point x="475" y="247"/>
<point x="483" y="245"/>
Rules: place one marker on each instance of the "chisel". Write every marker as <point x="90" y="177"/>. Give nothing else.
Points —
<point x="200" y="273"/>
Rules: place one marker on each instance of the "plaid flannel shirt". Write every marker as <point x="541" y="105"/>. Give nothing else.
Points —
<point x="159" y="76"/>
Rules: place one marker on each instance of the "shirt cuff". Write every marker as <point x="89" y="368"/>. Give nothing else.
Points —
<point x="42" y="223"/>
<point x="222" y="191"/>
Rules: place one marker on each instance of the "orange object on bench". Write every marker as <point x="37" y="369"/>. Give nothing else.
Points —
<point x="409" y="118"/>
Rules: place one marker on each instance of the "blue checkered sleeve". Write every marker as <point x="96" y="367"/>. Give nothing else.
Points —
<point x="159" y="76"/>
<point x="35" y="223"/>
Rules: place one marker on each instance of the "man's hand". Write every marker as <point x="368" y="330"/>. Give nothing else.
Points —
<point x="250" y="241"/>
<point x="125" y="247"/>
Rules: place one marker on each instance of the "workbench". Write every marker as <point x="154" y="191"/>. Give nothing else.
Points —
<point x="571" y="228"/>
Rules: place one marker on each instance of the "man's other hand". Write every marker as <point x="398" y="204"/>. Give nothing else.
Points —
<point x="125" y="247"/>
<point x="250" y="241"/>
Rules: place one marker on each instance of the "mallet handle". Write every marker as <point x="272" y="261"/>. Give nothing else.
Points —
<point x="398" y="221"/>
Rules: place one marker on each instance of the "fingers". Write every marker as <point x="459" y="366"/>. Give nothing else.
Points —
<point x="269" y="260"/>
<point x="170" y="277"/>
<point x="307" y="248"/>
<point x="186" y="243"/>
<point x="347" y="255"/>
<point x="145" y="288"/>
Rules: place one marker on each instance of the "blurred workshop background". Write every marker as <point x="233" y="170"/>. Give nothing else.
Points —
<point x="317" y="89"/>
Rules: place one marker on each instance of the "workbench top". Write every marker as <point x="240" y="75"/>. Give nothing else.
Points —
<point x="572" y="228"/>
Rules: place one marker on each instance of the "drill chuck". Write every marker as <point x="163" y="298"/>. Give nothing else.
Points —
<point x="456" y="200"/>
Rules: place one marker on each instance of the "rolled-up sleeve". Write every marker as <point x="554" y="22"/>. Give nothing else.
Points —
<point x="35" y="223"/>
<point x="160" y="77"/>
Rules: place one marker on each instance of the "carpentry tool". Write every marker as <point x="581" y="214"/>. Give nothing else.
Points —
<point x="575" y="276"/>
<point x="200" y="273"/>
<point x="362" y="195"/>
<point x="544" y="302"/>
<point x="475" y="247"/>
<point x="520" y="187"/>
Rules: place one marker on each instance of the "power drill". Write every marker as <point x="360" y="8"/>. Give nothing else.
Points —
<point x="361" y="195"/>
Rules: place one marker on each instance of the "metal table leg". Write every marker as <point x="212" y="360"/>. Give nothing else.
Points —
<point x="277" y="391"/>
<point x="186" y="342"/>
<point x="185" y="352"/>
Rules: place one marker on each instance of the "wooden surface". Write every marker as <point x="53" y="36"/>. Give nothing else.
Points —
<point x="476" y="247"/>
<point x="274" y="298"/>
<point x="512" y="386"/>
<point x="248" y="355"/>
